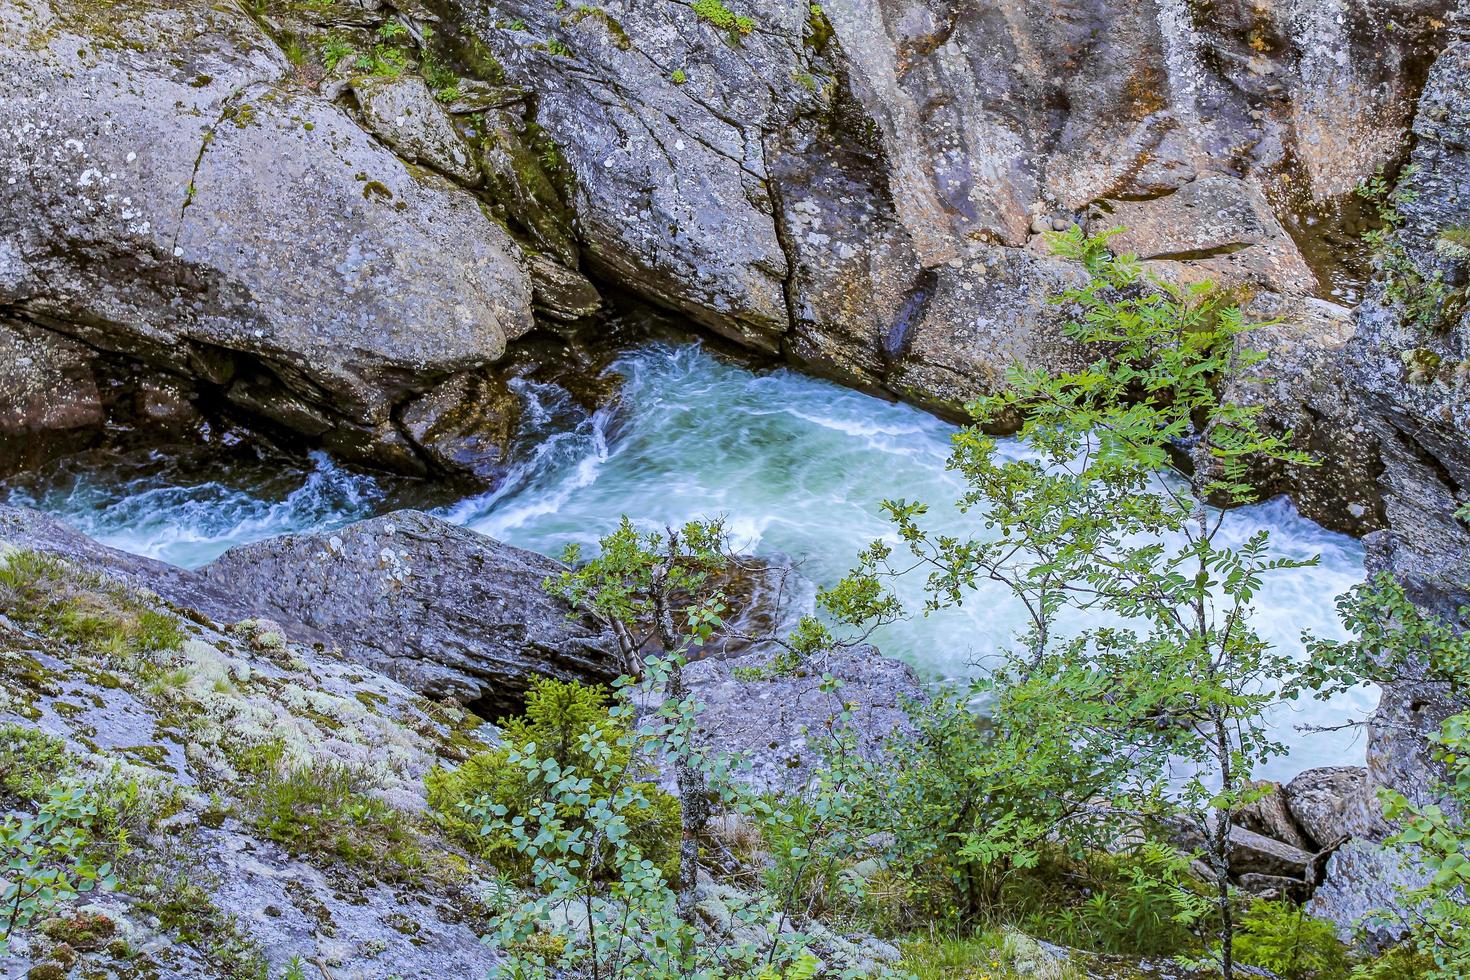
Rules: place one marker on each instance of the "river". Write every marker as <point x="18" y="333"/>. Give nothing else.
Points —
<point x="797" y="465"/>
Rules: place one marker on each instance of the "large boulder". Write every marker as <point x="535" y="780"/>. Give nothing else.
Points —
<point x="782" y="721"/>
<point x="171" y="192"/>
<point x="450" y="613"/>
<point x="1332" y="803"/>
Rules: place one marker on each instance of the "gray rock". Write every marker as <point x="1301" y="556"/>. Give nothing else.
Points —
<point x="1362" y="880"/>
<point x="1271" y="817"/>
<point x="1423" y="413"/>
<point x="467" y="424"/>
<point x="1400" y="756"/>
<point x="1253" y="853"/>
<point x="170" y="141"/>
<point x="449" y="612"/>
<point x="49" y="400"/>
<point x="404" y="114"/>
<point x="781" y="723"/>
<point x="1334" y="802"/>
<point x="232" y="890"/>
<point x="1300" y="388"/>
<point x="27" y="529"/>
<point x="1220" y="227"/>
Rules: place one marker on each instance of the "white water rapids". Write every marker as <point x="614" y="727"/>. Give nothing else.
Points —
<point x="797" y="465"/>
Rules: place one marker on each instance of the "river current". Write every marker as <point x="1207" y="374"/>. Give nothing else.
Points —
<point x="797" y="465"/>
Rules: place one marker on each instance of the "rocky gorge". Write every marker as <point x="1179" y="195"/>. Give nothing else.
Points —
<point x="353" y="225"/>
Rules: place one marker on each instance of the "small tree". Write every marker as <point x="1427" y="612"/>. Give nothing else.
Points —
<point x="1105" y="518"/>
<point x="599" y="904"/>
<point x="658" y="588"/>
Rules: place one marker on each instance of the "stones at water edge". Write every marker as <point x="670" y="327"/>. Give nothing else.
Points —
<point x="451" y="613"/>
<point x="1331" y="803"/>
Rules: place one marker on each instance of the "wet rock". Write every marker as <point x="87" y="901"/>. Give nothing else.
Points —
<point x="781" y="721"/>
<point x="517" y="177"/>
<point x="467" y="425"/>
<point x="49" y="400"/>
<point x="1300" y="388"/>
<point x="404" y="114"/>
<point x="448" y="612"/>
<point x="561" y="293"/>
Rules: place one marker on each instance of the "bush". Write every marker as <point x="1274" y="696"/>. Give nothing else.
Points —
<point x="326" y="810"/>
<point x="561" y="720"/>
<point x="716" y="13"/>
<point x="30" y="762"/>
<point x="47" y="859"/>
<point x="1280" y="937"/>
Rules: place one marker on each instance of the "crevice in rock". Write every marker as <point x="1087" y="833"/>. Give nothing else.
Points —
<point x="1198" y="254"/>
<point x="915" y="304"/>
<point x="224" y="111"/>
<point x="783" y="239"/>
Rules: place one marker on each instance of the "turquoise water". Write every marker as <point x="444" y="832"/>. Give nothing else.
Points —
<point x="798" y="467"/>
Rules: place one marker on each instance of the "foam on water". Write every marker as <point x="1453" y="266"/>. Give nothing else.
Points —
<point x="797" y="466"/>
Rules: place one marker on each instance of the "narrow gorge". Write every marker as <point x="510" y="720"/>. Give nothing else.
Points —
<point x="327" y="326"/>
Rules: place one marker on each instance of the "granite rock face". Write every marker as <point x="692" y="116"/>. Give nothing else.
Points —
<point x="780" y="722"/>
<point x="171" y="193"/>
<point x="863" y="186"/>
<point x="1411" y="369"/>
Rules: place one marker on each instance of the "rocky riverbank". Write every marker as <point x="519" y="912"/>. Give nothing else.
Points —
<point x="323" y="648"/>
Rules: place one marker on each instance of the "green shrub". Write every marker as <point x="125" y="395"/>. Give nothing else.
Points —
<point x="326" y="810"/>
<point x="30" y="762"/>
<point x="335" y="48"/>
<point x="47" y="859"/>
<point x="719" y="15"/>
<point x="560" y="721"/>
<point x="1282" y="938"/>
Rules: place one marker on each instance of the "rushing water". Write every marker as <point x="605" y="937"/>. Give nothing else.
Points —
<point x="798" y="466"/>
